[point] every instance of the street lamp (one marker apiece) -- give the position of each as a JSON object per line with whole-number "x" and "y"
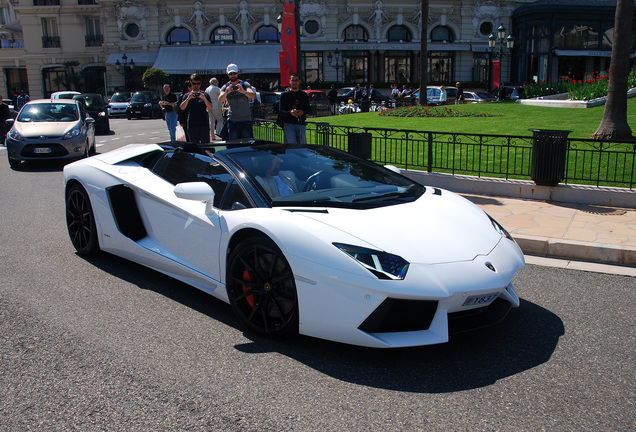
{"x": 126, "y": 68}
{"x": 337, "y": 64}
{"x": 504, "y": 42}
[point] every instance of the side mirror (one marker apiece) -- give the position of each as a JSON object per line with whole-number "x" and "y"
{"x": 196, "y": 191}
{"x": 393, "y": 168}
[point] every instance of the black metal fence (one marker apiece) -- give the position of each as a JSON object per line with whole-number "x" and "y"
{"x": 587, "y": 161}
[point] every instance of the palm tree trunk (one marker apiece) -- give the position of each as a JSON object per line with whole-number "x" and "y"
{"x": 614, "y": 124}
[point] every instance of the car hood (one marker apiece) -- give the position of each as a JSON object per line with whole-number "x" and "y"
{"x": 433, "y": 229}
{"x": 36, "y": 129}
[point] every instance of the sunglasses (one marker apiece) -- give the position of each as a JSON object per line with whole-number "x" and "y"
{"x": 232, "y": 73}
{"x": 196, "y": 83}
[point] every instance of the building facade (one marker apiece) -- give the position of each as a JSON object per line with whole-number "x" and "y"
{"x": 105, "y": 45}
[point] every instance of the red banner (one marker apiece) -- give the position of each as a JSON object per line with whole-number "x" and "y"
{"x": 284, "y": 70}
{"x": 288, "y": 36}
{"x": 495, "y": 73}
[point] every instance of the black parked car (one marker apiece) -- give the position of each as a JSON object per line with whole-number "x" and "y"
{"x": 96, "y": 108}
{"x": 144, "y": 104}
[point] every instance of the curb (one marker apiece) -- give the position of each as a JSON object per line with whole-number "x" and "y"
{"x": 576, "y": 250}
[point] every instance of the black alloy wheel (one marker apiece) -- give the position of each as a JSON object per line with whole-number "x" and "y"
{"x": 261, "y": 288}
{"x": 80, "y": 221}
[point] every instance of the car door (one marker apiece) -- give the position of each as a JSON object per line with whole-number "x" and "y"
{"x": 180, "y": 229}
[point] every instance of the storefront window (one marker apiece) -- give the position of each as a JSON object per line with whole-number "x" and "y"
{"x": 576, "y": 37}
{"x": 397, "y": 69}
{"x": 53, "y": 78}
{"x": 440, "y": 67}
{"x": 357, "y": 66}
{"x": 313, "y": 66}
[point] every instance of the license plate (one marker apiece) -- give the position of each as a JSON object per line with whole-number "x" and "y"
{"x": 480, "y": 300}
{"x": 42, "y": 150}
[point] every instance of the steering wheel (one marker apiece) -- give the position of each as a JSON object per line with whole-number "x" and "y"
{"x": 312, "y": 181}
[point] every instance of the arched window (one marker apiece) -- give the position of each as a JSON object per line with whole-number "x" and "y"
{"x": 223, "y": 35}
{"x": 355, "y": 33}
{"x": 178, "y": 35}
{"x": 267, "y": 34}
{"x": 399, "y": 33}
{"x": 442, "y": 34}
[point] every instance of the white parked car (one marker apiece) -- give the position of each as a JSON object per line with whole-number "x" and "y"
{"x": 299, "y": 238}
{"x": 118, "y": 103}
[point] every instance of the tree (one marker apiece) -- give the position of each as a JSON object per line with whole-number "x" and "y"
{"x": 424, "y": 54}
{"x": 154, "y": 78}
{"x": 614, "y": 124}
{"x": 69, "y": 78}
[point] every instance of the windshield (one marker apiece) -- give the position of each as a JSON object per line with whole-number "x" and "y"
{"x": 322, "y": 176}
{"x": 48, "y": 112}
{"x": 92, "y": 102}
{"x": 118, "y": 97}
{"x": 141, "y": 97}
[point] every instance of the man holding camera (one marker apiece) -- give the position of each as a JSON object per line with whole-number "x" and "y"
{"x": 238, "y": 94}
{"x": 196, "y": 105}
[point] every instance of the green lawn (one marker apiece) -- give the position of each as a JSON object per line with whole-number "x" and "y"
{"x": 509, "y": 118}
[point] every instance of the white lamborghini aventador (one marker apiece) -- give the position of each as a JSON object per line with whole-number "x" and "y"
{"x": 299, "y": 238}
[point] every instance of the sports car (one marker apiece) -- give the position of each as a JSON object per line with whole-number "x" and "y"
{"x": 299, "y": 238}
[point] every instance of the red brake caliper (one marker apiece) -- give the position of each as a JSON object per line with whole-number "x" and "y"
{"x": 247, "y": 277}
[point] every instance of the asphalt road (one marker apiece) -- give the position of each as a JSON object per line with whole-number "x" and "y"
{"x": 107, "y": 345}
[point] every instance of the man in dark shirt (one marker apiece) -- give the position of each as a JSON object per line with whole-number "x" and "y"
{"x": 196, "y": 103}
{"x": 294, "y": 104}
{"x": 167, "y": 102}
{"x": 333, "y": 99}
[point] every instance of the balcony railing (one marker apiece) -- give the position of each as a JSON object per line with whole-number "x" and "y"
{"x": 51, "y": 42}
{"x": 46, "y": 2}
{"x": 93, "y": 40}
{"x": 86, "y": 2}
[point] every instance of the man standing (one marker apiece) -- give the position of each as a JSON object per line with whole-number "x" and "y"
{"x": 333, "y": 99}
{"x": 167, "y": 102}
{"x": 196, "y": 103}
{"x": 294, "y": 104}
{"x": 22, "y": 100}
{"x": 460, "y": 93}
{"x": 216, "y": 114}
{"x": 238, "y": 94}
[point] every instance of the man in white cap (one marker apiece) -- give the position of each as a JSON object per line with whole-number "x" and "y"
{"x": 216, "y": 113}
{"x": 238, "y": 94}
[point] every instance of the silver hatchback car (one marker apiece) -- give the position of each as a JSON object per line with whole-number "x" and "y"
{"x": 50, "y": 129}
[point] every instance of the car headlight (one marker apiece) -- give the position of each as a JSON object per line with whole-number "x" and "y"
{"x": 148, "y": 105}
{"x": 382, "y": 264}
{"x": 72, "y": 133}
{"x": 15, "y": 135}
{"x": 500, "y": 229}
{"x": 101, "y": 114}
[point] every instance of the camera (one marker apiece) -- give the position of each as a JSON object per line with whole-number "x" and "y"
{"x": 235, "y": 87}
{"x": 196, "y": 93}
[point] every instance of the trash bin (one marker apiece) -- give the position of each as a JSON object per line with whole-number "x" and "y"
{"x": 360, "y": 144}
{"x": 364, "y": 105}
{"x": 549, "y": 152}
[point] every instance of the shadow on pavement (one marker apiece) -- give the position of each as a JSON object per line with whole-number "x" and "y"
{"x": 525, "y": 339}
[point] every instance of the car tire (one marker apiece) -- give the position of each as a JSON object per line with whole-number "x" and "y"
{"x": 261, "y": 288}
{"x": 80, "y": 221}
